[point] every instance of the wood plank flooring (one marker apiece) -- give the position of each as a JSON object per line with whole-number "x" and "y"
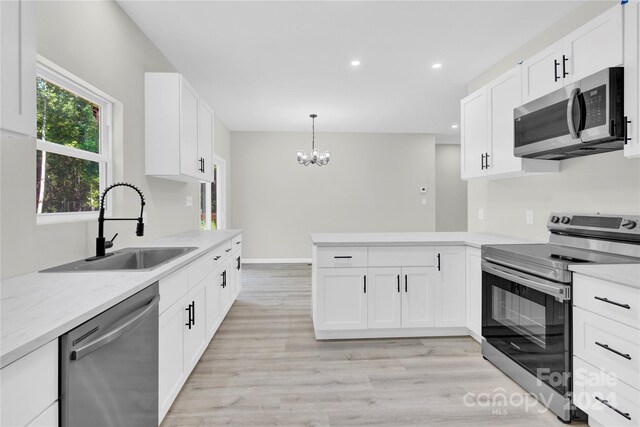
{"x": 265, "y": 368}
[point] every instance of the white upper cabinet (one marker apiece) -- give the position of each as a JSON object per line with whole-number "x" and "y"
{"x": 18, "y": 58}
{"x": 596, "y": 45}
{"x": 178, "y": 130}
{"x": 487, "y": 131}
{"x": 631, "y": 77}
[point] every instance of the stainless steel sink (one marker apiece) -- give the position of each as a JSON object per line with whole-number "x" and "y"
{"x": 133, "y": 259}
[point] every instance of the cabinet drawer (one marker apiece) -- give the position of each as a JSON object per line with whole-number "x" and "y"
{"x": 29, "y": 385}
{"x": 342, "y": 257}
{"x": 173, "y": 287}
{"x": 608, "y": 345}
{"x": 611, "y": 300}
{"x": 592, "y": 387}
{"x": 401, "y": 256}
{"x": 199, "y": 269}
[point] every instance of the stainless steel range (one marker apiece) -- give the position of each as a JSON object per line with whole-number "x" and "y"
{"x": 526, "y": 300}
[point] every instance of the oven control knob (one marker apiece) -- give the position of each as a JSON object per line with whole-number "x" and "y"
{"x": 555, "y": 219}
{"x": 629, "y": 225}
{"x": 566, "y": 220}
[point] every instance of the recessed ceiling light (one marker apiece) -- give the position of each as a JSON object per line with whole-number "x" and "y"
{"x": 437, "y": 65}
{"x": 355, "y": 62}
{"x": 454, "y": 126}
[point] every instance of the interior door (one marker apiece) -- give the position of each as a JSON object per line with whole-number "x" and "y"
{"x": 473, "y": 133}
{"x": 504, "y": 94}
{"x": 542, "y": 73}
{"x": 384, "y": 302}
{"x": 188, "y": 131}
{"x": 342, "y": 298}
{"x": 418, "y": 297}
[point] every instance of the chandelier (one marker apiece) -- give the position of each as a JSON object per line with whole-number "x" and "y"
{"x": 316, "y": 158}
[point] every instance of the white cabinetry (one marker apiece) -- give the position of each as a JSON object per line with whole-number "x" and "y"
{"x": 418, "y": 298}
{"x": 195, "y": 340}
{"x": 29, "y": 388}
{"x": 632, "y": 77}
{"x": 384, "y": 297}
{"x": 178, "y": 130}
{"x": 606, "y": 344}
{"x": 487, "y": 132}
{"x": 450, "y": 286}
{"x": 342, "y": 298}
{"x": 474, "y": 292}
{"x": 596, "y": 45}
{"x": 171, "y": 372}
{"x": 18, "y": 58}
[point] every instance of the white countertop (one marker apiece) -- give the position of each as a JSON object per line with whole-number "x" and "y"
{"x": 626, "y": 274}
{"x": 36, "y": 308}
{"x": 411, "y": 239}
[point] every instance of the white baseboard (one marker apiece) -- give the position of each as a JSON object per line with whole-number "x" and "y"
{"x": 392, "y": 333}
{"x": 276, "y": 260}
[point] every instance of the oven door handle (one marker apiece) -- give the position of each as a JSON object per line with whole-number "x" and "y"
{"x": 559, "y": 291}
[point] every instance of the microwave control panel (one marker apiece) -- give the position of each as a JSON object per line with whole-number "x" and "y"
{"x": 595, "y": 103}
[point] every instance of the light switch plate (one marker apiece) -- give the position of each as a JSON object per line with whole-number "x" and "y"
{"x": 529, "y": 216}
{"x": 481, "y": 214}
{"x": 424, "y": 202}
{"x": 189, "y": 201}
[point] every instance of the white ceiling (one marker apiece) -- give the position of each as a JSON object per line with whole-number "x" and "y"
{"x": 265, "y": 66}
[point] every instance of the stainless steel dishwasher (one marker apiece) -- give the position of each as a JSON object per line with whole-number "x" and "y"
{"x": 109, "y": 366}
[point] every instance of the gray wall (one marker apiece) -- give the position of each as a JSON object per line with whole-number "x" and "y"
{"x": 605, "y": 183}
{"x": 100, "y": 44}
{"x": 372, "y": 184}
{"x": 451, "y": 191}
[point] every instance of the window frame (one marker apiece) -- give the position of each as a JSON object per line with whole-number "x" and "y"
{"x": 57, "y": 75}
{"x": 221, "y": 219}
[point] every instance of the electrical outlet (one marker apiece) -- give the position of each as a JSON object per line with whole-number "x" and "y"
{"x": 189, "y": 201}
{"x": 529, "y": 216}
{"x": 481, "y": 214}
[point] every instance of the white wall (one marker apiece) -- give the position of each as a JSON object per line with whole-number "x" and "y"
{"x": 372, "y": 184}
{"x": 605, "y": 183}
{"x": 451, "y": 191}
{"x": 100, "y": 44}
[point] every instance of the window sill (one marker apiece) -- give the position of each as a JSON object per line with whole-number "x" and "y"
{"x": 57, "y": 218}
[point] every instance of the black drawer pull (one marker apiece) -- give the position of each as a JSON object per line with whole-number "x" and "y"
{"x": 228, "y": 250}
{"x": 438, "y": 262}
{"x": 237, "y": 243}
{"x": 606, "y": 403}
{"x": 627, "y": 306}
{"x": 405, "y": 283}
{"x": 606, "y": 347}
{"x": 398, "y": 283}
{"x": 215, "y": 258}
{"x": 343, "y": 257}
{"x": 365, "y": 284}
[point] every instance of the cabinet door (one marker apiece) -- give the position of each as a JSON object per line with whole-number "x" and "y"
{"x": 225, "y": 294}
{"x": 596, "y": 45}
{"x": 18, "y": 58}
{"x": 195, "y": 336}
{"x": 503, "y": 95}
{"x": 631, "y": 77}
{"x": 474, "y": 291}
{"x": 473, "y": 133}
{"x": 205, "y": 140}
{"x": 542, "y": 73}
{"x": 342, "y": 298}
{"x": 384, "y": 298}
{"x": 237, "y": 268}
{"x": 418, "y": 297}
{"x": 450, "y": 287}
{"x": 189, "y": 163}
{"x": 212, "y": 292}
{"x": 171, "y": 366}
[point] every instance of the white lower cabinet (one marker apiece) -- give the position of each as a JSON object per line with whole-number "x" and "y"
{"x": 395, "y": 291}
{"x": 48, "y": 418}
{"x": 29, "y": 388}
{"x": 195, "y": 340}
{"x": 342, "y": 298}
{"x": 473, "y": 290}
{"x": 171, "y": 355}
{"x": 212, "y": 294}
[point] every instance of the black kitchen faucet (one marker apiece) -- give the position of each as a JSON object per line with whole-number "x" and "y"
{"x": 101, "y": 243}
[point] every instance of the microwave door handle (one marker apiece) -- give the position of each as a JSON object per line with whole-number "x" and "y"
{"x": 572, "y": 127}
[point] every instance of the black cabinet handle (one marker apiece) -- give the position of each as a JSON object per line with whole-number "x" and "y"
{"x": 215, "y": 258}
{"x": 627, "y": 306}
{"x": 238, "y": 242}
{"x": 626, "y": 130}
{"x": 342, "y": 257}
{"x": 238, "y": 266}
{"x": 189, "y": 316}
{"x": 438, "y": 262}
{"x": 224, "y": 279}
{"x": 486, "y": 161}
{"x": 203, "y": 163}
{"x": 228, "y": 250}
{"x": 398, "y": 283}
{"x": 555, "y": 70}
{"x": 606, "y": 347}
{"x": 564, "y": 66}
{"x": 193, "y": 313}
{"x": 608, "y": 405}
{"x": 405, "y": 283}
{"x": 482, "y": 161}
{"x": 365, "y": 283}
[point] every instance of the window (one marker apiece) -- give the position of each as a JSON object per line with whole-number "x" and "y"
{"x": 212, "y": 199}
{"x": 73, "y": 158}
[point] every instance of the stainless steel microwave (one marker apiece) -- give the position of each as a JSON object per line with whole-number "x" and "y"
{"x": 583, "y": 118}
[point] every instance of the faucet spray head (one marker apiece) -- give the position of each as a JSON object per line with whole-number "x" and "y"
{"x": 140, "y": 228}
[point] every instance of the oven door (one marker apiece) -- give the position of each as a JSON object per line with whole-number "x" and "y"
{"x": 528, "y": 319}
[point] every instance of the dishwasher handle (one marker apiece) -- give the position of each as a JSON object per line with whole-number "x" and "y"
{"x": 115, "y": 333}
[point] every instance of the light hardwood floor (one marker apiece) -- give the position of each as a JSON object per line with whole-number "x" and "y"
{"x": 265, "y": 368}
